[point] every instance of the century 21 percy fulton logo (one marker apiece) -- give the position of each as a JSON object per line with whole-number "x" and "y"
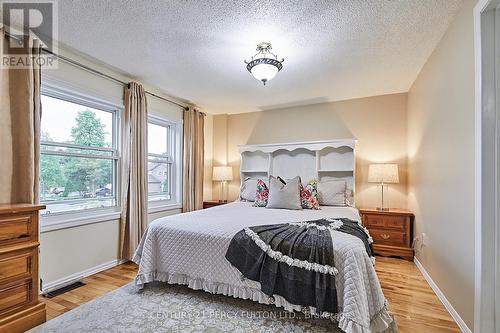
{"x": 26, "y": 21}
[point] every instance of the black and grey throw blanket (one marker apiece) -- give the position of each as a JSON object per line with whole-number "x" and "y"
{"x": 294, "y": 260}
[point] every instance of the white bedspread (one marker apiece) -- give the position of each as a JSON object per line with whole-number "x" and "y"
{"x": 190, "y": 249}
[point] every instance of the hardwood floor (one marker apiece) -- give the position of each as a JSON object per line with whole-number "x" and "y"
{"x": 95, "y": 285}
{"x": 411, "y": 300}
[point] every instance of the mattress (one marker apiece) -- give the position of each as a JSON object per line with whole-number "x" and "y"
{"x": 190, "y": 249}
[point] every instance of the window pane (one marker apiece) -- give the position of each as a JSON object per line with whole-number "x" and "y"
{"x": 158, "y": 180}
{"x": 157, "y": 139}
{"x": 69, "y": 122}
{"x": 72, "y": 183}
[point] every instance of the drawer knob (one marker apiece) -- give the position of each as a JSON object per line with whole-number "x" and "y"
{"x": 385, "y": 236}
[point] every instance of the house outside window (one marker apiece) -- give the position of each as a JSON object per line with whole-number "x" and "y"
{"x": 164, "y": 157}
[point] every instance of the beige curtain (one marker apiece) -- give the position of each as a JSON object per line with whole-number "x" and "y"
{"x": 193, "y": 161}
{"x": 134, "y": 171}
{"x": 19, "y": 128}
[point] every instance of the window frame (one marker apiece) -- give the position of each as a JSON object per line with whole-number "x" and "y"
{"x": 174, "y": 147}
{"x": 73, "y": 96}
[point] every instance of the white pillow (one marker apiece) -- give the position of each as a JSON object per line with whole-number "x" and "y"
{"x": 332, "y": 193}
{"x": 284, "y": 196}
{"x": 249, "y": 189}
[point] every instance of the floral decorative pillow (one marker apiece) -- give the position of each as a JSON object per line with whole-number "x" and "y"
{"x": 262, "y": 194}
{"x": 309, "y": 195}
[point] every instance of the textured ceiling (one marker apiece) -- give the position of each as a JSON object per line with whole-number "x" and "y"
{"x": 194, "y": 50}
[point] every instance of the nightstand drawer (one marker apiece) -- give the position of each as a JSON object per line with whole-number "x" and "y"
{"x": 386, "y": 221}
{"x": 396, "y": 222}
{"x": 373, "y": 220}
{"x": 213, "y": 203}
{"x": 389, "y": 237}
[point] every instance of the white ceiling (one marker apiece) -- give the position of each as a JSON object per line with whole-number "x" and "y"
{"x": 194, "y": 50}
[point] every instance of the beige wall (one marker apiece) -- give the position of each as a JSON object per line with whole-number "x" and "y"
{"x": 208, "y": 156}
{"x": 379, "y": 123}
{"x": 220, "y": 150}
{"x": 69, "y": 251}
{"x": 441, "y": 163}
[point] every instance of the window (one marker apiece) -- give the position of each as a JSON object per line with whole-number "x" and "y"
{"x": 78, "y": 154}
{"x": 161, "y": 158}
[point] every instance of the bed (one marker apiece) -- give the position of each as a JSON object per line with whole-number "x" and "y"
{"x": 190, "y": 249}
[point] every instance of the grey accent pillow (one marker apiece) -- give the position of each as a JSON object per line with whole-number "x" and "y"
{"x": 284, "y": 196}
{"x": 332, "y": 193}
{"x": 248, "y": 189}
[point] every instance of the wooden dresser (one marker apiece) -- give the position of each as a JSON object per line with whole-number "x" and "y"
{"x": 391, "y": 230}
{"x": 20, "y": 309}
{"x": 212, "y": 203}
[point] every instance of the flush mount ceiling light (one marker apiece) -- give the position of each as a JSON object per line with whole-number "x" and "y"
{"x": 264, "y": 64}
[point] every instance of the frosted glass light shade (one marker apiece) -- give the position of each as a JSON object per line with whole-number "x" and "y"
{"x": 264, "y": 64}
{"x": 222, "y": 173}
{"x": 264, "y": 72}
{"x": 383, "y": 173}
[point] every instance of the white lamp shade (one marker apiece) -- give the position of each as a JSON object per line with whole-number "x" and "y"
{"x": 222, "y": 173}
{"x": 383, "y": 173}
{"x": 264, "y": 72}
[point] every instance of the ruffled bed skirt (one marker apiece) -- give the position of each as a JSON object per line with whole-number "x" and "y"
{"x": 379, "y": 323}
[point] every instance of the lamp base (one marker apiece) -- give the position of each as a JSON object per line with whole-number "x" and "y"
{"x": 383, "y": 209}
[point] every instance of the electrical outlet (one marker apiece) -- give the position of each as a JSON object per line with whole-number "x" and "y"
{"x": 419, "y": 242}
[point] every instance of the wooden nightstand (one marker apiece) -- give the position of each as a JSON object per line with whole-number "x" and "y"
{"x": 391, "y": 230}
{"x": 212, "y": 203}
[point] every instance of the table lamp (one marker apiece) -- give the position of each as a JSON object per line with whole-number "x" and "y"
{"x": 383, "y": 174}
{"x": 223, "y": 174}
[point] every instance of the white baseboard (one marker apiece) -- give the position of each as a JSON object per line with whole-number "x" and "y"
{"x": 59, "y": 283}
{"x": 454, "y": 314}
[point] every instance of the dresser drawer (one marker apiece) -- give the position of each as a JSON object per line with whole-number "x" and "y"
{"x": 373, "y": 220}
{"x": 15, "y": 295}
{"x": 17, "y": 228}
{"x": 389, "y": 237}
{"x": 386, "y": 221}
{"x": 396, "y": 222}
{"x": 17, "y": 265}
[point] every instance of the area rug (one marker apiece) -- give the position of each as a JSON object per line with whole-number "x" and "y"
{"x": 175, "y": 308}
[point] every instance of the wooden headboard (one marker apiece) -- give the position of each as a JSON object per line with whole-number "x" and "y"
{"x": 322, "y": 160}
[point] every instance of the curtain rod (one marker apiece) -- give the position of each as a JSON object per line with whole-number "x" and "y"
{"x": 109, "y": 77}
{"x": 94, "y": 71}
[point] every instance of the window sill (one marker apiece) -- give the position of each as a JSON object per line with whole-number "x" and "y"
{"x": 162, "y": 207}
{"x": 71, "y": 220}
